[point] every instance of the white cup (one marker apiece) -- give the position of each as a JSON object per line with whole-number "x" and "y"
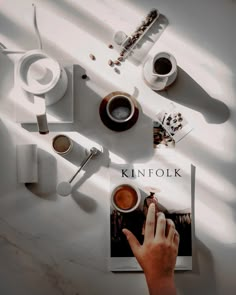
{"x": 27, "y": 163}
{"x": 62, "y": 144}
{"x": 120, "y": 108}
{"x": 160, "y": 71}
{"x": 41, "y": 75}
{"x": 125, "y": 198}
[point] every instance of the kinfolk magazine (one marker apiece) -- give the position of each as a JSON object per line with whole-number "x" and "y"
{"x": 166, "y": 181}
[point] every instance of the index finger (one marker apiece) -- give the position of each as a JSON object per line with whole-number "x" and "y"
{"x": 161, "y": 226}
{"x": 150, "y": 223}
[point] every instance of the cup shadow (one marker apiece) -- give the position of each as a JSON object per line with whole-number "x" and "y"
{"x": 187, "y": 92}
{"x": 199, "y": 252}
{"x": 47, "y": 177}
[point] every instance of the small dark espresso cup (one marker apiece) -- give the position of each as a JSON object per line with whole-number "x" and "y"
{"x": 162, "y": 66}
{"x": 120, "y": 108}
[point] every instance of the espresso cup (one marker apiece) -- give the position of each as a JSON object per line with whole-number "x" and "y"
{"x": 120, "y": 108}
{"x": 125, "y": 198}
{"x": 62, "y": 144}
{"x": 160, "y": 71}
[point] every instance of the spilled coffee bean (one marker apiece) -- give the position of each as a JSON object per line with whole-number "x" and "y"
{"x": 84, "y": 76}
{"x": 117, "y": 62}
{"x": 92, "y": 56}
{"x": 110, "y": 62}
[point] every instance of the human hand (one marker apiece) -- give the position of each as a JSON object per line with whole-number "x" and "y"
{"x": 157, "y": 255}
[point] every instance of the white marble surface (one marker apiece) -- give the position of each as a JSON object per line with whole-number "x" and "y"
{"x": 53, "y": 245}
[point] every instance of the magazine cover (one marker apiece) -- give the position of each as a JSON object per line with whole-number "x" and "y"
{"x": 165, "y": 181}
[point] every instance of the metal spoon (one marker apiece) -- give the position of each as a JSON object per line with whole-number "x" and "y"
{"x": 65, "y": 188}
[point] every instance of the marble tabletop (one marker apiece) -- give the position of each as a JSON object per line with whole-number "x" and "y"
{"x": 55, "y": 245}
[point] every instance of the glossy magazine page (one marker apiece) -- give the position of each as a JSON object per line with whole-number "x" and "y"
{"x": 166, "y": 181}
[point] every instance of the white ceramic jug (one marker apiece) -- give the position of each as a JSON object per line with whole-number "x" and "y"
{"x": 160, "y": 71}
{"x": 41, "y": 75}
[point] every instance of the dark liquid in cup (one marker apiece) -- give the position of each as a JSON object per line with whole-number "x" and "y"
{"x": 125, "y": 197}
{"x": 120, "y": 108}
{"x": 162, "y": 66}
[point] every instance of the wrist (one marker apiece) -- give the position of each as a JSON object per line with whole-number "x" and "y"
{"x": 161, "y": 285}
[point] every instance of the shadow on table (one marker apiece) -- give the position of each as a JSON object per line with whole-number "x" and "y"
{"x": 82, "y": 18}
{"x": 85, "y": 202}
{"x": 201, "y": 255}
{"x": 202, "y": 278}
{"x": 47, "y": 177}
{"x": 7, "y": 75}
{"x": 187, "y": 92}
{"x": 7, "y": 160}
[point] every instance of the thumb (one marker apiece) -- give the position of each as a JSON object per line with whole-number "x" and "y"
{"x": 133, "y": 242}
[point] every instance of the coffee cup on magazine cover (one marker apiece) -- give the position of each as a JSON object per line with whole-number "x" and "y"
{"x": 125, "y": 198}
{"x": 42, "y": 76}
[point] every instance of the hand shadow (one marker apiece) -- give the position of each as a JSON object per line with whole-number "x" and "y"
{"x": 188, "y": 93}
{"x": 201, "y": 277}
{"x": 8, "y": 178}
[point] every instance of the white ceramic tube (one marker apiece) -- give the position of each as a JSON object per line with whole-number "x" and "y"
{"x": 40, "y": 110}
{"x": 27, "y": 163}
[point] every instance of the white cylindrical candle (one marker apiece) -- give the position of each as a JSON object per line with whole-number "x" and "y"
{"x": 27, "y": 163}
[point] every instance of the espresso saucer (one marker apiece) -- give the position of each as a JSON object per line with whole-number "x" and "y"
{"x": 118, "y": 127}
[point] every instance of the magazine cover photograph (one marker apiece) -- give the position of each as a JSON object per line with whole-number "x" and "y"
{"x": 164, "y": 181}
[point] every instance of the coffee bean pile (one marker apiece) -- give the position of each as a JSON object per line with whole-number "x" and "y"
{"x": 173, "y": 122}
{"x": 130, "y": 42}
{"x": 161, "y": 136}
